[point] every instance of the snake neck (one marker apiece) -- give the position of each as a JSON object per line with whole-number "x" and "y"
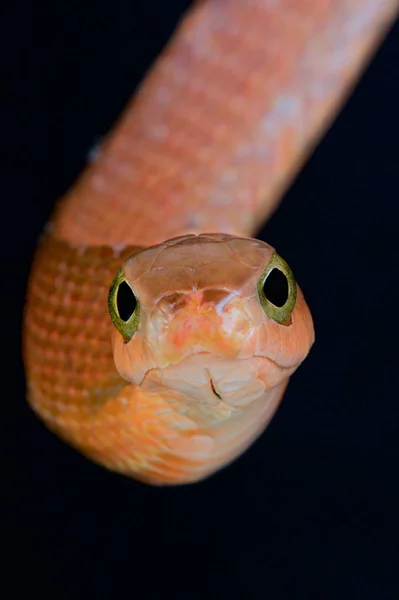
{"x": 224, "y": 121}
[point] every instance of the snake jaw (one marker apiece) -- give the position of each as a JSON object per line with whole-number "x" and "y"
{"x": 214, "y": 385}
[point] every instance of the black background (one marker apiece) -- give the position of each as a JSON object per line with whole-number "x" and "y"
{"x": 311, "y": 511}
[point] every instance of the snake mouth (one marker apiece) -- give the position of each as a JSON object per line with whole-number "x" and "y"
{"x": 215, "y": 392}
{"x": 215, "y": 381}
{"x": 287, "y": 369}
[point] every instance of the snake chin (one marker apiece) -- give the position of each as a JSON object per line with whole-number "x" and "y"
{"x": 214, "y": 381}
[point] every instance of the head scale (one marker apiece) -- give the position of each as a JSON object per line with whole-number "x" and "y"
{"x": 213, "y": 318}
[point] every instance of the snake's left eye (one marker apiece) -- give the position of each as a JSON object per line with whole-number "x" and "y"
{"x": 277, "y": 290}
{"x": 123, "y": 306}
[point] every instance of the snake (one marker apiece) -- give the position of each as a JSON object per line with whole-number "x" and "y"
{"x": 159, "y": 334}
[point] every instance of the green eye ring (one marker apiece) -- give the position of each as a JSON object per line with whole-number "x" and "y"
{"x": 123, "y": 306}
{"x": 284, "y": 293}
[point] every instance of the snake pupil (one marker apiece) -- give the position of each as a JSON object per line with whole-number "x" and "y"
{"x": 275, "y": 288}
{"x": 125, "y": 301}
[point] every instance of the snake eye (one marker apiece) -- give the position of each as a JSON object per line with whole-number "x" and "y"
{"x": 123, "y": 307}
{"x": 125, "y": 301}
{"x": 277, "y": 290}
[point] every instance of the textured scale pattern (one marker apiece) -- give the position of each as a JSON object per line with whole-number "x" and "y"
{"x": 219, "y": 127}
{"x": 150, "y": 431}
{"x": 224, "y": 120}
{"x": 68, "y": 343}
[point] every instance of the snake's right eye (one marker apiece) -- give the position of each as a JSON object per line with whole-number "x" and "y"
{"x": 123, "y": 306}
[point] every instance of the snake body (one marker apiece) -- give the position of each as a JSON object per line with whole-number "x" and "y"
{"x": 191, "y": 362}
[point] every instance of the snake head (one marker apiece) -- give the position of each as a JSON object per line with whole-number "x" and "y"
{"x": 215, "y": 318}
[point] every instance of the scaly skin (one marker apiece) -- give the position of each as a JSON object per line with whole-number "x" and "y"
{"x": 216, "y": 132}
